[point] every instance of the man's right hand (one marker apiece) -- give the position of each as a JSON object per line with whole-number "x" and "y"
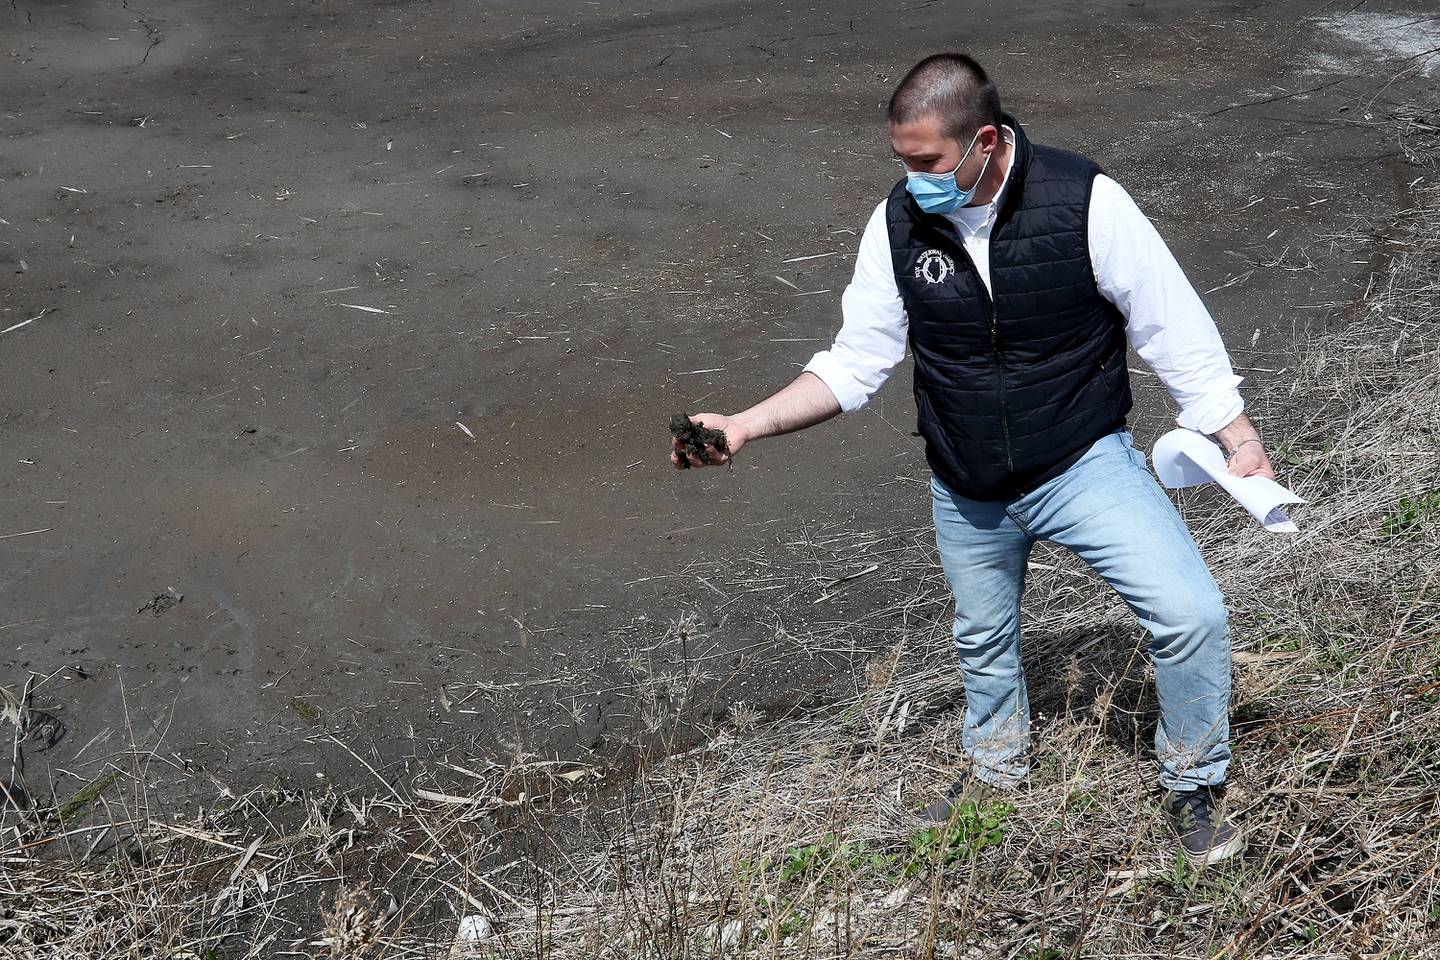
{"x": 803, "y": 403}
{"x": 735, "y": 438}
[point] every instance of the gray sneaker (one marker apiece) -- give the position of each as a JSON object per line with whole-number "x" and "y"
{"x": 1206, "y": 836}
{"x": 967, "y": 789}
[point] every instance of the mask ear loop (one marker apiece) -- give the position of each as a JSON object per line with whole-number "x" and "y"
{"x": 983, "y": 167}
{"x": 966, "y": 156}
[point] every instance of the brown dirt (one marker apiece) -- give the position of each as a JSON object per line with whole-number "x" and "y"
{"x": 696, "y": 439}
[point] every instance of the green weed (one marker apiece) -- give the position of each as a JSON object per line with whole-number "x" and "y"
{"x": 828, "y": 856}
{"x": 972, "y": 828}
{"x": 1412, "y": 514}
{"x": 1043, "y": 953}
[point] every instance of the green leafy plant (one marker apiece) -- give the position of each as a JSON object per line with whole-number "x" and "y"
{"x": 1412, "y": 514}
{"x": 785, "y": 920}
{"x": 1287, "y": 454}
{"x": 812, "y": 857}
{"x": 1285, "y": 642}
{"x": 746, "y": 870}
{"x": 1181, "y": 877}
{"x": 1292, "y": 456}
{"x": 972, "y": 828}
{"x": 829, "y": 855}
{"x": 1043, "y": 953}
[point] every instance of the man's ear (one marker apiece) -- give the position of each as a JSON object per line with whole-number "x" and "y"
{"x": 990, "y": 137}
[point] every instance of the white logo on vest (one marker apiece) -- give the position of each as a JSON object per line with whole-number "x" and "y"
{"x": 934, "y": 266}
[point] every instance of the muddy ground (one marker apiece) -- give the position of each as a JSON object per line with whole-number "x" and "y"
{"x": 358, "y": 326}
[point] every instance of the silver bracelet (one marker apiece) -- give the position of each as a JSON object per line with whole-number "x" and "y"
{"x": 1241, "y": 444}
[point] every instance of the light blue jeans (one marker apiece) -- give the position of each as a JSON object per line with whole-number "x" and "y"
{"x": 1109, "y": 511}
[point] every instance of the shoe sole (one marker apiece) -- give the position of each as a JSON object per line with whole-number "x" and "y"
{"x": 926, "y": 819}
{"x": 1218, "y": 854}
{"x": 980, "y": 797}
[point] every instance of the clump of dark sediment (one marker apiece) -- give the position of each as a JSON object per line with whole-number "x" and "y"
{"x": 696, "y": 439}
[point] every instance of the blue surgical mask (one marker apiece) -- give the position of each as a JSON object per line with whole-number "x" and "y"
{"x": 938, "y": 192}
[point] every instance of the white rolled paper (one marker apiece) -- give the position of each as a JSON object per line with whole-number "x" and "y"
{"x": 1184, "y": 458}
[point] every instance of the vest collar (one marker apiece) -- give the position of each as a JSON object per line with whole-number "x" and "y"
{"x": 1014, "y": 188}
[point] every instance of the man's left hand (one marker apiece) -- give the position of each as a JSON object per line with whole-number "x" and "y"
{"x": 1244, "y": 452}
{"x": 1249, "y": 460}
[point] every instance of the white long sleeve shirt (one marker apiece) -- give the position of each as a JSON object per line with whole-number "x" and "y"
{"x": 1165, "y": 321}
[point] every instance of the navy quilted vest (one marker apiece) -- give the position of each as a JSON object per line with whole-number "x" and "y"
{"x": 1011, "y": 389}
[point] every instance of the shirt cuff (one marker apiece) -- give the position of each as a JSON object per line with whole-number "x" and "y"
{"x": 848, "y": 391}
{"x": 1215, "y": 408}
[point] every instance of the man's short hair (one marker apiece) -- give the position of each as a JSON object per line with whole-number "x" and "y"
{"x": 950, "y": 87}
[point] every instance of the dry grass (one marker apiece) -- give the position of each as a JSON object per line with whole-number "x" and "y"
{"x": 789, "y": 837}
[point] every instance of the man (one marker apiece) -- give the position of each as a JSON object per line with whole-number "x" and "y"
{"x": 1018, "y": 273}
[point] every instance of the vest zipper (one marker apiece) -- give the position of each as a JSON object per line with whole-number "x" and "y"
{"x": 1000, "y": 367}
{"x": 994, "y": 339}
